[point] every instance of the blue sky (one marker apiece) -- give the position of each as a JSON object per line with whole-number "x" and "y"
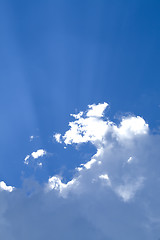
{"x": 58, "y": 57}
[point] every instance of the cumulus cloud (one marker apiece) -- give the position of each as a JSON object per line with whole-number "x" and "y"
{"x": 88, "y": 126}
{"x": 57, "y": 137}
{"x": 114, "y": 195}
{"x": 35, "y": 155}
{"x": 114, "y": 143}
{"x": 4, "y": 187}
{"x": 130, "y": 127}
{"x": 96, "y": 110}
{"x": 63, "y": 188}
{"x": 105, "y": 179}
{"x": 38, "y": 153}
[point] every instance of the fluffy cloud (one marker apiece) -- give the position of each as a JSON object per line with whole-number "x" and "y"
{"x": 35, "y": 155}
{"x": 57, "y": 136}
{"x": 4, "y": 187}
{"x": 88, "y": 126}
{"x": 114, "y": 195}
{"x": 38, "y": 153}
{"x": 96, "y": 110}
{"x": 114, "y": 143}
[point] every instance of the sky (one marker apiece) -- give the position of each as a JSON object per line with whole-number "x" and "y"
{"x": 80, "y": 120}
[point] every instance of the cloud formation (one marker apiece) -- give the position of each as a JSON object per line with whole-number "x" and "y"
{"x": 4, "y": 187}
{"x": 110, "y": 140}
{"x": 114, "y": 195}
{"x": 35, "y": 155}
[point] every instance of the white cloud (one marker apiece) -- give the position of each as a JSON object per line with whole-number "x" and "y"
{"x": 89, "y": 164}
{"x": 26, "y": 160}
{"x": 77, "y": 116}
{"x": 38, "y": 153}
{"x": 63, "y": 188}
{"x": 87, "y": 127}
{"x": 104, "y": 195}
{"x": 105, "y": 177}
{"x": 114, "y": 143}
{"x": 35, "y": 155}
{"x": 130, "y": 127}
{"x": 31, "y": 137}
{"x": 4, "y": 187}
{"x": 130, "y": 159}
{"x": 96, "y": 110}
{"x": 40, "y": 164}
{"x": 57, "y": 136}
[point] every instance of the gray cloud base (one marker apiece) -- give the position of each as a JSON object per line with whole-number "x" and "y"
{"x": 116, "y": 196}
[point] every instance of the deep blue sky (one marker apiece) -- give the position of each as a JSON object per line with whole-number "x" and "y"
{"x": 59, "y": 56}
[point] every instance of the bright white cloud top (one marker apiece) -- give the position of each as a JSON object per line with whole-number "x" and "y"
{"x": 57, "y": 136}
{"x": 110, "y": 140}
{"x": 96, "y": 110}
{"x": 4, "y": 187}
{"x": 90, "y": 126}
{"x": 117, "y": 188}
{"x": 38, "y": 153}
{"x": 87, "y": 126}
{"x": 35, "y": 155}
